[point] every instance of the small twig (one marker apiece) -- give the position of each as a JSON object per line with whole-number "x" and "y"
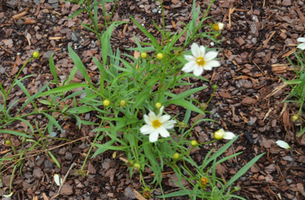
{"x": 63, "y": 181}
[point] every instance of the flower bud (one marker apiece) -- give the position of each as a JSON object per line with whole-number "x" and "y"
{"x": 35, "y": 54}
{"x": 160, "y": 56}
{"x": 295, "y": 118}
{"x": 215, "y": 87}
{"x": 8, "y": 142}
{"x": 182, "y": 125}
{"x": 106, "y": 102}
{"x": 236, "y": 188}
{"x": 158, "y": 105}
{"x": 203, "y": 182}
{"x": 176, "y": 156}
{"x": 143, "y": 55}
{"x": 194, "y": 143}
{"x": 123, "y": 103}
{"x": 136, "y": 167}
{"x": 147, "y": 193}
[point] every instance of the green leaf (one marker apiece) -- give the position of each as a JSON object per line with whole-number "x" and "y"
{"x": 64, "y": 88}
{"x": 76, "y": 13}
{"x": 243, "y": 170}
{"x": 150, "y": 36}
{"x": 79, "y": 110}
{"x": 302, "y": 131}
{"x": 53, "y": 69}
{"x": 79, "y": 64}
{"x": 12, "y": 132}
{"x": 185, "y": 104}
{"x": 54, "y": 159}
{"x": 52, "y": 120}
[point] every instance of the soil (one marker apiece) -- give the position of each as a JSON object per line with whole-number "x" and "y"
{"x": 249, "y": 101}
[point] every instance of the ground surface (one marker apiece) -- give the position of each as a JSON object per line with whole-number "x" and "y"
{"x": 258, "y": 37}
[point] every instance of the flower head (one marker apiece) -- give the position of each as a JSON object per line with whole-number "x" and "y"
{"x": 221, "y": 134}
{"x": 123, "y": 103}
{"x": 283, "y": 144}
{"x": 156, "y": 125}
{"x": 200, "y": 60}
{"x": 302, "y": 45}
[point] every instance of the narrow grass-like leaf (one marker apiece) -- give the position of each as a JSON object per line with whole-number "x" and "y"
{"x": 18, "y": 133}
{"x": 150, "y": 36}
{"x": 64, "y": 88}
{"x": 76, "y": 13}
{"x": 54, "y": 159}
{"x": 53, "y": 69}
{"x": 79, "y": 64}
{"x": 185, "y": 104}
{"x": 243, "y": 170}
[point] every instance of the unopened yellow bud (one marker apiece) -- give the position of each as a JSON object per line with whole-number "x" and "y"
{"x": 136, "y": 167}
{"x": 35, "y": 54}
{"x": 176, "y": 156}
{"x": 158, "y": 105}
{"x": 144, "y": 55}
{"x": 160, "y": 56}
{"x": 295, "y": 118}
{"x": 123, "y": 103}
{"x": 8, "y": 142}
{"x": 194, "y": 143}
{"x": 106, "y": 102}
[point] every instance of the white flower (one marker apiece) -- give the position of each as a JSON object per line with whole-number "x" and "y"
{"x": 221, "y": 134}
{"x": 156, "y": 125}
{"x": 283, "y": 144}
{"x": 200, "y": 60}
{"x": 219, "y": 26}
{"x": 302, "y": 45}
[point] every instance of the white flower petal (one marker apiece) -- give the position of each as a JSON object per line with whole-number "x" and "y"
{"x": 147, "y": 129}
{"x": 202, "y": 51}
{"x": 210, "y": 64}
{"x": 198, "y": 70}
{"x": 301, "y": 39}
{"x": 189, "y": 67}
{"x": 153, "y": 137}
{"x": 195, "y": 50}
{"x": 161, "y": 110}
{"x": 147, "y": 120}
{"x": 8, "y": 195}
{"x": 189, "y": 58}
{"x": 283, "y": 144}
{"x": 301, "y": 46}
{"x": 229, "y": 136}
{"x": 163, "y": 132}
{"x": 210, "y": 55}
{"x": 169, "y": 124}
{"x": 57, "y": 179}
{"x": 151, "y": 115}
{"x": 164, "y": 118}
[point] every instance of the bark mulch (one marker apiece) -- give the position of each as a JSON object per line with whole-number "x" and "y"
{"x": 258, "y": 36}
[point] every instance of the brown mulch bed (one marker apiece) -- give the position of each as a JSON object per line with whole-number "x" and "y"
{"x": 259, "y": 35}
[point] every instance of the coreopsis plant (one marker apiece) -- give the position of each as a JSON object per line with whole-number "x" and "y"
{"x": 157, "y": 124}
{"x": 200, "y": 60}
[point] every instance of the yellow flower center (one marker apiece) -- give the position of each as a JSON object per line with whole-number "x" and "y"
{"x": 156, "y": 123}
{"x": 216, "y": 27}
{"x": 200, "y": 61}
